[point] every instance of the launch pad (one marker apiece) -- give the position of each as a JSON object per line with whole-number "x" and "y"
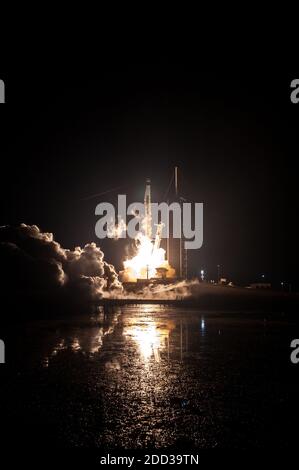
{"x": 140, "y": 284}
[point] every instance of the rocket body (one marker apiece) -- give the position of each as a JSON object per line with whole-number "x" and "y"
{"x": 148, "y": 209}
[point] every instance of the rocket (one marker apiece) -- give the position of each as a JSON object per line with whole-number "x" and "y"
{"x": 148, "y": 209}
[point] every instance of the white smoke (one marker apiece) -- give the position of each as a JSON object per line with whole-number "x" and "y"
{"x": 33, "y": 261}
{"x": 37, "y": 261}
{"x": 159, "y": 291}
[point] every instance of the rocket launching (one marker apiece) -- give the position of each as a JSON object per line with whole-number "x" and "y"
{"x": 149, "y": 262}
{"x": 148, "y": 209}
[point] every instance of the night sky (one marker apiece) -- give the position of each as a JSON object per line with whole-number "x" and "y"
{"x": 234, "y": 138}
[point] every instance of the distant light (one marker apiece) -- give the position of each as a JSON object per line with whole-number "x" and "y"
{"x": 263, "y": 275}
{"x": 202, "y": 274}
{"x": 202, "y": 271}
{"x": 203, "y": 325}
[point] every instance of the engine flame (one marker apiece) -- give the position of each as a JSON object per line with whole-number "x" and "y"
{"x": 147, "y": 262}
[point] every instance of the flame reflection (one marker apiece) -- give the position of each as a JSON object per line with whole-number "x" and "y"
{"x": 151, "y": 338}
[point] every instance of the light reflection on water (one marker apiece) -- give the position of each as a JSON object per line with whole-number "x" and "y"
{"x": 150, "y": 337}
{"x": 87, "y": 339}
{"x": 153, "y": 336}
{"x": 151, "y": 376}
{"x": 202, "y": 326}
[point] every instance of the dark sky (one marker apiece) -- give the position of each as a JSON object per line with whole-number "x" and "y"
{"x": 234, "y": 137}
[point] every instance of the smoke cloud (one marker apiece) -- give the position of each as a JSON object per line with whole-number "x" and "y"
{"x": 179, "y": 290}
{"x": 34, "y": 265}
{"x": 38, "y": 276}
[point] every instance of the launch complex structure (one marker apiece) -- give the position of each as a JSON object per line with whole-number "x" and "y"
{"x": 175, "y": 250}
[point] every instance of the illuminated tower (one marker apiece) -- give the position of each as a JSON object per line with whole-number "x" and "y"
{"x": 176, "y": 252}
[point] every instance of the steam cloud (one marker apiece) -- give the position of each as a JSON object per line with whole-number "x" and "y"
{"x": 34, "y": 264}
{"x": 36, "y": 271}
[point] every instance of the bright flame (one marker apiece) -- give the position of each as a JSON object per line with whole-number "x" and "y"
{"x": 149, "y": 258}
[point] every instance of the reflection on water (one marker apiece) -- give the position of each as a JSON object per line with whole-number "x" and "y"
{"x": 87, "y": 340}
{"x": 202, "y": 325}
{"x": 151, "y": 338}
{"x": 148, "y": 339}
{"x": 154, "y": 376}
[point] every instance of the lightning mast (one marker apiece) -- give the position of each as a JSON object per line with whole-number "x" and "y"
{"x": 183, "y": 259}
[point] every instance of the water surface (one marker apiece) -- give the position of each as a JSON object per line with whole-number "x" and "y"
{"x": 152, "y": 376}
